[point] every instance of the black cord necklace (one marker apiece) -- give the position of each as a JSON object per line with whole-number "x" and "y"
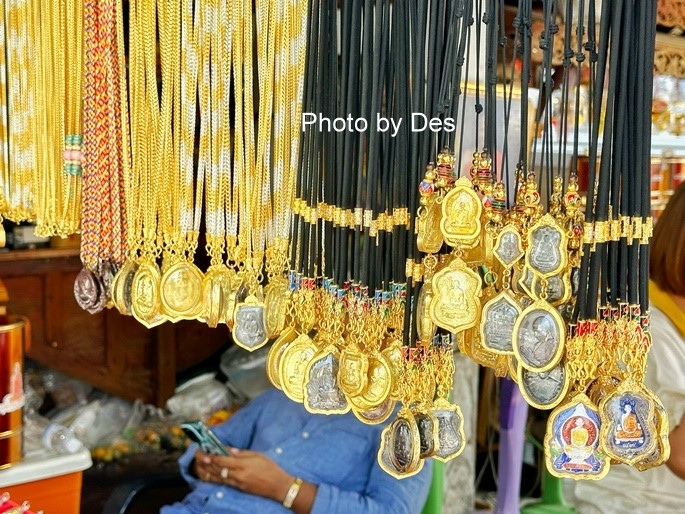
{"x": 646, "y": 123}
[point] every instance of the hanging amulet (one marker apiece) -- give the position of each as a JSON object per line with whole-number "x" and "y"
{"x": 574, "y": 218}
{"x": 484, "y": 171}
{"x": 427, "y": 185}
{"x": 474, "y": 165}
{"x": 498, "y": 203}
{"x": 556, "y": 199}
{"x": 531, "y": 196}
{"x": 445, "y": 169}
{"x": 572, "y": 448}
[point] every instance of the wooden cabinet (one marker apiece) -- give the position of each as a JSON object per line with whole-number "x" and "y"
{"x": 112, "y": 352}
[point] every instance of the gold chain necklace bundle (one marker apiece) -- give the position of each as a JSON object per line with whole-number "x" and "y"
{"x": 200, "y": 145}
{"x": 59, "y": 131}
{"x": 19, "y": 187}
{"x": 103, "y": 159}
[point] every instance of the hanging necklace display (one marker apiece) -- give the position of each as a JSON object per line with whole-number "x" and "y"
{"x": 546, "y": 389}
{"x": 400, "y": 451}
{"x": 5, "y": 184}
{"x": 289, "y": 78}
{"x": 455, "y": 306}
{"x": 540, "y": 332}
{"x": 662, "y": 450}
{"x": 449, "y": 211}
{"x": 572, "y": 440}
{"x": 70, "y": 217}
{"x": 58, "y": 92}
{"x": 19, "y": 186}
{"x": 145, "y": 160}
{"x": 180, "y": 288}
{"x": 219, "y": 280}
{"x": 235, "y": 200}
{"x": 501, "y": 312}
{"x": 451, "y": 440}
{"x": 104, "y": 158}
{"x": 287, "y": 336}
{"x": 249, "y": 319}
{"x": 574, "y": 443}
{"x": 572, "y": 447}
{"x": 121, "y": 282}
{"x": 291, "y": 354}
{"x": 379, "y": 373}
{"x": 356, "y": 364}
{"x": 322, "y": 394}
{"x": 426, "y": 421}
{"x": 455, "y": 287}
{"x": 297, "y": 355}
{"x": 629, "y": 426}
{"x": 486, "y": 177}
{"x": 378, "y": 380}
{"x": 87, "y": 290}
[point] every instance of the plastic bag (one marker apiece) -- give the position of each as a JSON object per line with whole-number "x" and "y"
{"x": 199, "y": 398}
{"x": 65, "y": 391}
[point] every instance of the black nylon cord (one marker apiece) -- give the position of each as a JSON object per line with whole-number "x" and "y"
{"x": 460, "y": 153}
{"x": 526, "y": 43}
{"x": 650, "y": 37}
{"x": 589, "y": 271}
{"x": 615, "y": 274}
{"x": 330, "y": 170}
{"x": 307, "y": 138}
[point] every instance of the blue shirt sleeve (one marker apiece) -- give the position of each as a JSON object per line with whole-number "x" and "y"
{"x": 385, "y": 494}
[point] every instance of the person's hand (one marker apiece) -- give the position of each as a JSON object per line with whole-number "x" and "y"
{"x": 248, "y": 471}
{"x": 203, "y": 468}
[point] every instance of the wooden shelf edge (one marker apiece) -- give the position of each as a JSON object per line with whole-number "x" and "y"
{"x": 40, "y": 253}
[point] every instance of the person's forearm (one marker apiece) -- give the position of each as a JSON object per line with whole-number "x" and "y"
{"x": 676, "y": 463}
{"x": 304, "y": 500}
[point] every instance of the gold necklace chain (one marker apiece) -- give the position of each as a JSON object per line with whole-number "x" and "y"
{"x": 218, "y": 171}
{"x": 136, "y": 192}
{"x": 22, "y": 180}
{"x": 229, "y": 223}
{"x": 128, "y": 205}
{"x": 289, "y": 92}
{"x": 4, "y": 125}
{"x": 267, "y": 31}
{"x": 73, "y": 138}
{"x": 143, "y": 133}
{"x": 235, "y": 241}
{"x": 189, "y": 81}
{"x": 151, "y": 115}
{"x": 50, "y": 96}
{"x": 167, "y": 162}
{"x": 248, "y": 232}
{"x": 10, "y": 95}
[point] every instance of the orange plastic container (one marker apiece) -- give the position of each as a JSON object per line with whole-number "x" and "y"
{"x": 57, "y": 495}
{"x": 48, "y": 481}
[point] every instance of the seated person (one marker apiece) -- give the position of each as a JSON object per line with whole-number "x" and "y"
{"x": 272, "y": 441}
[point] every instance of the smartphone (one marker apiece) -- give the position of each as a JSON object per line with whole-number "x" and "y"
{"x": 198, "y": 432}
